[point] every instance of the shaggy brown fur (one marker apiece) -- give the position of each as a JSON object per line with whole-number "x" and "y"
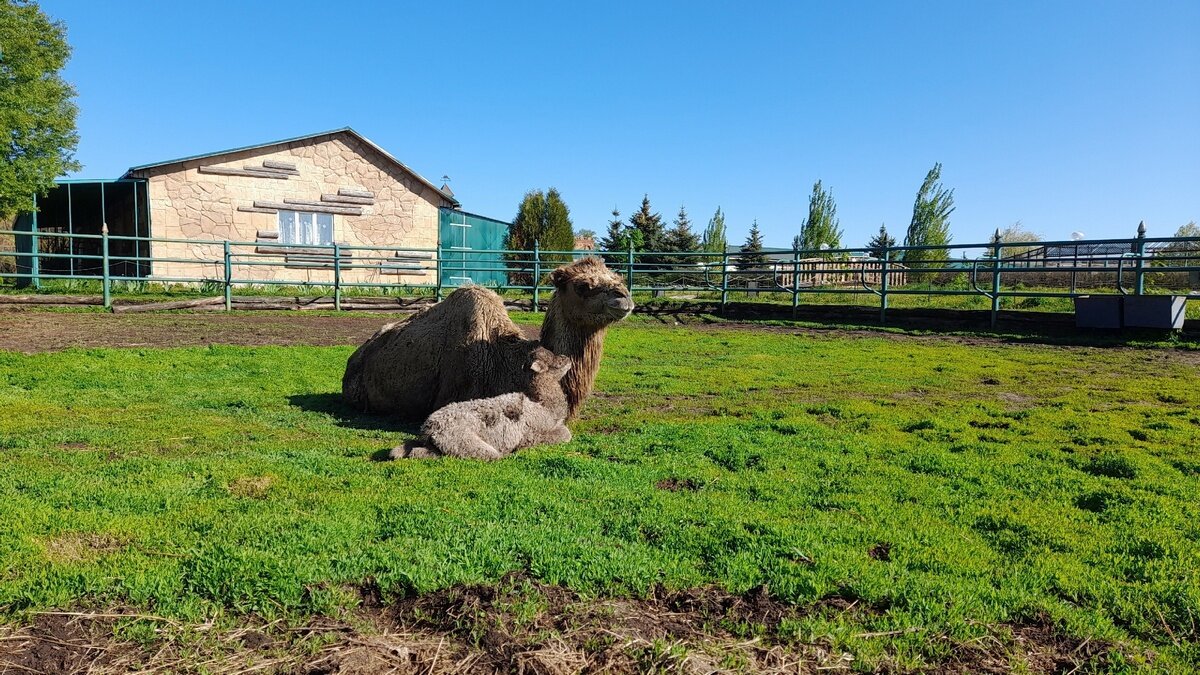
{"x": 466, "y": 347}
{"x": 492, "y": 428}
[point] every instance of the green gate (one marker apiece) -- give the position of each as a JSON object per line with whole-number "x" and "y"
{"x": 471, "y": 246}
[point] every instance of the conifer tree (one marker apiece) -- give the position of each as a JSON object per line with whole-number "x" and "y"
{"x": 618, "y": 239}
{"x": 649, "y": 224}
{"x": 681, "y": 239}
{"x": 751, "y": 256}
{"x": 880, "y": 242}
{"x": 821, "y": 225}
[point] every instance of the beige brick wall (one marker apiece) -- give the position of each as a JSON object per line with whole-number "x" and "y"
{"x": 187, "y": 204}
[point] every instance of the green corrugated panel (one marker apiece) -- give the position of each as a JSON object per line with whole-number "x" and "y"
{"x": 461, "y": 233}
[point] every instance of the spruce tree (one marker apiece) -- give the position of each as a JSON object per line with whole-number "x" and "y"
{"x": 681, "y": 239}
{"x": 821, "y": 225}
{"x": 751, "y": 256}
{"x": 880, "y": 242}
{"x": 649, "y": 224}
{"x": 37, "y": 107}
{"x": 930, "y": 224}
{"x": 618, "y": 239}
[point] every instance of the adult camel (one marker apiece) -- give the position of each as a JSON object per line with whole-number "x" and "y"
{"x": 466, "y": 347}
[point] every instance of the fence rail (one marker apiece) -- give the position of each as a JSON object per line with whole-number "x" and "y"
{"x": 984, "y": 270}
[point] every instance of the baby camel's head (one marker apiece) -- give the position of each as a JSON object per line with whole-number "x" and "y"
{"x": 549, "y": 366}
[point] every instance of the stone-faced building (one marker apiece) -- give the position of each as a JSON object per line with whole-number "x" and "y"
{"x": 283, "y": 199}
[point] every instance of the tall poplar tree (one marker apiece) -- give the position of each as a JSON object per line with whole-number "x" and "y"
{"x": 930, "y": 224}
{"x": 821, "y": 225}
{"x": 714, "y": 240}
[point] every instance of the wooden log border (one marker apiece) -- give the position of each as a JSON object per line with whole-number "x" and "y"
{"x": 229, "y": 171}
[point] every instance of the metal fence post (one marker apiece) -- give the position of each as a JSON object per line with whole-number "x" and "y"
{"x": 795, "y": 280}
{"x": 337, "y": 277}
{"x": 105, "y": 279}
{"x": 34, "y": 247}
{"x": 997, "y": 249}
{"x": 1140, "y": 249}
{"x": 437, "y": 270}
{"x": 724, "y": 280}
{"x": 629, "y": 269}
{"x": 537, "y": 273}
{"x": 883, "y": 285}
{"x": 228, "y": 290}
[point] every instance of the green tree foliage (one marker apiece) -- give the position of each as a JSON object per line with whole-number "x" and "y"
{"x": 797, "y": 243}
{"x": 751, "y": 256}
{"x": 681, "y": 239}
{"x": 821, "y": 225}
{"x": 650, "y": 225}
{"x": 1015, "y": 234}
{"x": 544, "y": 220}
{"x": 714, "y": 240}
{"x": 620, "y": 236}
{"x": 1182, "y": 253}
{"x": 880, "y": 242}
{"x": 930, "y": 224}
{"x": 37, "y": 108}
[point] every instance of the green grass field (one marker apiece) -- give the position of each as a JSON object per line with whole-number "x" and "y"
{"x": 952, "y": 488}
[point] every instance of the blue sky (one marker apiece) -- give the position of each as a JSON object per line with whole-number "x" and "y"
{"x": 1062, "y": 115}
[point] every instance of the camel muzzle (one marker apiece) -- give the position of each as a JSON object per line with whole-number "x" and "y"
{"x": 623, "y": 306}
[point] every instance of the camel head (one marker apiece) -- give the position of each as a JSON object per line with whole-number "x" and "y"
{"x": 589, "y": 294}
{"x": 546, "y": 361}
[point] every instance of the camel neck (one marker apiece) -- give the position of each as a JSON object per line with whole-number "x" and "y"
{"x": 583, "y": 344}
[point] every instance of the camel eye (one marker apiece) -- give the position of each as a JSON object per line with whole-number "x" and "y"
{"x": 582, "y": 289}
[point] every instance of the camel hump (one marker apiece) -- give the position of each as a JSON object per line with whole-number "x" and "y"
{"x": 483, "y": 312}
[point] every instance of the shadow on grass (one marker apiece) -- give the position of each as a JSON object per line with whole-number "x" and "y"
{"x": 346, "y": 416}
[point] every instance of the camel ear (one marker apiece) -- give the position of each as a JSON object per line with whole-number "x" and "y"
{"x": 558, "y": 278}
{"x": 537, "y": 367}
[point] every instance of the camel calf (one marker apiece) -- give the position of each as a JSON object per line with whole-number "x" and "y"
{"x": 491, "y": 428}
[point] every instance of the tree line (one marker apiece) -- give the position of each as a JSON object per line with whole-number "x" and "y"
{"x": 543, "y": 218}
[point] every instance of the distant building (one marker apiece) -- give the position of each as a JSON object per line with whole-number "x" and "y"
{"x": 285, "y": 199}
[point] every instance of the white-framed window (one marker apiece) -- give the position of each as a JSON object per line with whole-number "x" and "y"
{"x": 305, "y": 229}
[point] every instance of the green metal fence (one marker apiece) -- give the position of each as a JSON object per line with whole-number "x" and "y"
{"x": 979, "y": 270}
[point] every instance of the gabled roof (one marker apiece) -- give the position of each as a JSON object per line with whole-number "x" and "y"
{"x": 449, "y": 196}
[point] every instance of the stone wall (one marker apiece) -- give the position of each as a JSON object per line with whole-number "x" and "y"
{"x": 191, "y": 200}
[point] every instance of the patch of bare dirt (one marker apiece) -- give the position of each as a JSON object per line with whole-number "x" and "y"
{"x": 30, "y": 331}
{"x": 519, "y": 625}
{"x": 678, "y": 484}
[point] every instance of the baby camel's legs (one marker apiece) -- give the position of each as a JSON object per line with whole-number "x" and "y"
{"x": 418, "y": 448}
{"x": 464, "y": 443}
{"x": 558, "y": 434}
